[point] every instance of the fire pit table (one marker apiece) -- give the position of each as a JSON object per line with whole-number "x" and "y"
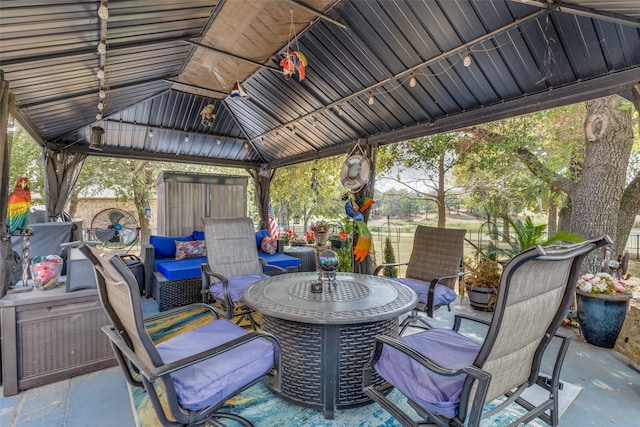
{"x": 327, "y": 337}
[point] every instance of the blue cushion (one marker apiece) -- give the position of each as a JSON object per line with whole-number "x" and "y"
{"x": 165, "y": 247}
{"x": 237, "y": 285}
{"x": 441, "y": 294}
{"x": 214, "y": 380}
{"x": 281, "y": 260}
{"x": 178, "y": 269}
{"x": 438, "y": 394}
{"x": 259, "y": 236}
{"x": 197, "y": 235}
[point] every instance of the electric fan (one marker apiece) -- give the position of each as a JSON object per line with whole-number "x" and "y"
{"x": 115, "y": 228}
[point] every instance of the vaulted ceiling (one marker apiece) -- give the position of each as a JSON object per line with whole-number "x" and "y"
{"x": 378, "y": 71}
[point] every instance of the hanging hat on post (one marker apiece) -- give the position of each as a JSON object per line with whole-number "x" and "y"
{"x": 355, "y": 172}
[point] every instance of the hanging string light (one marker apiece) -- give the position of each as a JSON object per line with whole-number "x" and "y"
{"x": 372, "y": 99}
{"x": 412, "y": 81}
{"x": 467, "y": 59}
{"x": 103, "y": 10}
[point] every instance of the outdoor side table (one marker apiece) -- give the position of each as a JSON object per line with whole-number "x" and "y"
{"x": 305, "y": 254}
{"x": 48, "y": 336}
{"x": 326, "y": 338}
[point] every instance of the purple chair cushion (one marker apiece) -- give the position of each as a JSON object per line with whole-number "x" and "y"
{"x": 438, "y": 394}
{"x": 215, "y": 379}
{"x": 237, "y": 285}
{"x": 441, "y": 294}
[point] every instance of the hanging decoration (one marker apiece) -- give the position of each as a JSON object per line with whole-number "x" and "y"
{"x": 356, "y": 210}
{"x": 207, "y": 115}
{"x": 355, "y": 170}
{"x": 238, "y": 92}
{"x": 294, "y": 61}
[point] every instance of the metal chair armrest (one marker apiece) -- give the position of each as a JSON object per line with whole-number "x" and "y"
{"x": 394, "y": 264}
{"x": 276, "y": 267}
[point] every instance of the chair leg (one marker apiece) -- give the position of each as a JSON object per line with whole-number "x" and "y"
{"x": 214, "y": 422}
{"x": 414, "y": 319}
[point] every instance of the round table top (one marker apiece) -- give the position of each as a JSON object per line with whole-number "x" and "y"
{"x": 356, "y": 298}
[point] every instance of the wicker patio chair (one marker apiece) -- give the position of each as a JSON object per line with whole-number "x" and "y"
{"x": 432, "y": 271}
{"x": 232, "y": 265}
{"x": 189, "y": 376}
{"x": 448, "y": 377}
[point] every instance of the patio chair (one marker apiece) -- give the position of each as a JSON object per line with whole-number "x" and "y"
{"x": 448, "y": 377}
{"x": 232, "y": 265}
{"x": 201, "y": 363}
{"x": 432, "y": 271}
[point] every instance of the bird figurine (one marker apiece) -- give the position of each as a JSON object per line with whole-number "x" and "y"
{"x": 19, "y": 204}
{"x": 356, "y": 211}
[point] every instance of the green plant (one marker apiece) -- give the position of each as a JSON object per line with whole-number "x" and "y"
{"x": 525, "y": 236}
{"x": 389, "y": 257}
{"x": 344, "y": 257}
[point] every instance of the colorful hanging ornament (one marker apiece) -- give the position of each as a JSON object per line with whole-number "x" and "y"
{"x": 294, "y": 62}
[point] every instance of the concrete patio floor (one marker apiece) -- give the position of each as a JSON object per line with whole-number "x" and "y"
{"x": 610, "y": 393}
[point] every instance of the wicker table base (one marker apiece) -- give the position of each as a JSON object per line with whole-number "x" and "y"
{"x": 322, "y": 364}
{"x": 326, "y": 338}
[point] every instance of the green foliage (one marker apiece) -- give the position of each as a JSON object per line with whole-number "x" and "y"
{"x": 527, "y": 235}
{"x": 26, "y": 160}
{"x": 389, "y": 257}
{"x": 345, "y": 257}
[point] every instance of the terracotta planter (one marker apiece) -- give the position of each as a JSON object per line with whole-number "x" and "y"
{"x": 481, "y": 298}
{"x": 601, "y": 317}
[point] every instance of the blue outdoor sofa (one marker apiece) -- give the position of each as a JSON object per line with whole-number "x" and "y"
{"x": 176, "y": 282}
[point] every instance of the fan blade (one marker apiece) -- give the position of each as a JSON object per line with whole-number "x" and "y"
{"x": 115, "y": 217}
{"x": 105, "y": 234}
{"x": 128, "y": 235}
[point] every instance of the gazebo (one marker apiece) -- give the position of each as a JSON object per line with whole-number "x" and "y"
{"x": 264, "y": 84}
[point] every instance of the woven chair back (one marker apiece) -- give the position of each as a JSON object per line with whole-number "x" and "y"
{"x": 536, "y": 289}
{"x": 231, "y": 246}
{"x": 437, "y": 252}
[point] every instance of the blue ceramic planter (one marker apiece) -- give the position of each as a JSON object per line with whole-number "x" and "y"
{"x": 601, "y": 317}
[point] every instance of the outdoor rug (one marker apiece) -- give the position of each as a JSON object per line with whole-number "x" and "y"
{"x": 264, "y": 409}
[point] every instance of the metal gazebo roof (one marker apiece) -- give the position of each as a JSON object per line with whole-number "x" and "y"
{"x": 378, "y": 72}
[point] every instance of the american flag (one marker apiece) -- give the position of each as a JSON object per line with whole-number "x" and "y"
{"x": 273, "y": 231}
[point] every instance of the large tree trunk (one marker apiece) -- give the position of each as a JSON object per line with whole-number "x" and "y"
{"x": 598, "y": 193}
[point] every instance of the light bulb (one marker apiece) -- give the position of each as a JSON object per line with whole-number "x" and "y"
{"x": 467, "y": 59}
{"x": 150, "y": 133}
{"x": 100, "y": 73}
{"x": 100, "y": 105}
{"x": 412, "y": 81}
{"x": 315, "y": 122}
{"x": 103, "y": 10}
{"x": 99, "y": 116}
{"x": 102, "y": 47}
{"x": 186, "y": 138}
{"x": 371, "y": 99}
{"x": 340, "y": 110}
{"x": 218, "y": 141}
{"x": 102, "y": 93}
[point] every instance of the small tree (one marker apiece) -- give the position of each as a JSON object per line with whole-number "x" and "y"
{"x": 389, "y": 257}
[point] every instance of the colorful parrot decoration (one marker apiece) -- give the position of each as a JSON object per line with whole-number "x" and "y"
{"x": 356, "y": 211}
{"x": 19, "y": 204}
{"x": 293, "y": 62}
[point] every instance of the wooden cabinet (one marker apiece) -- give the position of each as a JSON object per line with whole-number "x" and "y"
{"x": 51, "y": 335}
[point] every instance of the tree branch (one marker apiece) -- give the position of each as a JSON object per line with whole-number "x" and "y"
{"x": 539, "y": 170}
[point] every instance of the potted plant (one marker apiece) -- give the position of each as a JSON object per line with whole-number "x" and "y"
{"x": 321, "y": 230}
{"x": 602, "y": 303}
{"x": 481, "y": 279}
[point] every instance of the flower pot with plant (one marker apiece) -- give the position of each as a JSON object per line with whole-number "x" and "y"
{"x": 602, "y": 303}
{"x": 482, "y": 279}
